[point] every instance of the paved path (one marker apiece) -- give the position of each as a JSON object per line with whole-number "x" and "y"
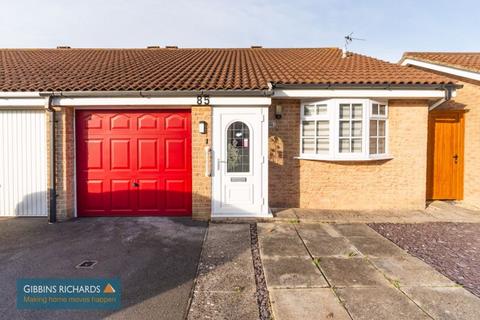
{"x": 438, "y": 211}
{"x": 324, "y": 271}
{"x": 225, "y": 286}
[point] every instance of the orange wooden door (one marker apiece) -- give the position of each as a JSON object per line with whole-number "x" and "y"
{"x": 445, "y": 155}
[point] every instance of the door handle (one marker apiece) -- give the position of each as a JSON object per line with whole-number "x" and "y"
{"x": 455, "y": 157}
{"x": 135, "y": 184}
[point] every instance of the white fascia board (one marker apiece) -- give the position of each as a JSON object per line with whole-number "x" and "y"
{"x": 155, "y": 101}
{"x": 22, "y": 102}
{"x": 374, "y": 93}
{"x": 15, "y": 94}
{"x": 444, "y": 69}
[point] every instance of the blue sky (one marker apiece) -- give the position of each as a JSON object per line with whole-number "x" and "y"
{"x": 389, "y": 27}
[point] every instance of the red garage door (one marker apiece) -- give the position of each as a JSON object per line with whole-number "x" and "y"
{"x": 133, "y": 163}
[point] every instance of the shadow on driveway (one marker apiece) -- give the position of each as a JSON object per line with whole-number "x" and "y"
{"x": 155, "y": 258}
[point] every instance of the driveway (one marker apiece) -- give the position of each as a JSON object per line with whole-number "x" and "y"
{"x": 156, "y": 260}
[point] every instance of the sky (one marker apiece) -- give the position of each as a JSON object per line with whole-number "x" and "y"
{"x": 388, "y": 27}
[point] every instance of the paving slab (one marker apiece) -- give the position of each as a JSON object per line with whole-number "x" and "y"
{"x": 315, "y": 232}
{"x": 330, "y": 247}
{"x": 318, "y": 303}
{"x": 446, "y": 303}
{"x": 356, "y": 230}
{"x": 292, "y": 272}
{"x": 224, "y": 305}
{"x": 379, "y": 303}
{"x": 284, "y": 247}
{"x": 277, "y": 230}
{"x": 410, "y": 271}
{"x": 234, "y": 275}
{"x": 226, "y": 240}
{"x": 376, "y": 246}
{"x": 351, "y": 272}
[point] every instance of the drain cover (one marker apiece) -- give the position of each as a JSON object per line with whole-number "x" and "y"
{"x": 86, "y": 264}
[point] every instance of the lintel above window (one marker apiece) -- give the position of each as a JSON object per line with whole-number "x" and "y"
{"x": 344, "y": 129}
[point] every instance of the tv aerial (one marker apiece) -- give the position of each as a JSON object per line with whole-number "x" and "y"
{"x": 348, "y": 40}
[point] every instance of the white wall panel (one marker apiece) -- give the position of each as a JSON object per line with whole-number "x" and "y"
{"x": 23, "y": 163}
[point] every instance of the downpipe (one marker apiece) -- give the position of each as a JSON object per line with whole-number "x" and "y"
{"x": 52, "y": 191}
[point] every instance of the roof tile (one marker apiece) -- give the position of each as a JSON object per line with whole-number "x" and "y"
{"x": 463, "y": 60}
{"x": 194, "y": 69}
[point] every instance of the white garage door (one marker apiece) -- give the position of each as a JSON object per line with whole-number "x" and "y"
{"x": 23, "y": 163}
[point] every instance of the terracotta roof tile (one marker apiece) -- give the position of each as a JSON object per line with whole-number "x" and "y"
{"x": 463, "y": 60}
{"x": 194, "y": 69}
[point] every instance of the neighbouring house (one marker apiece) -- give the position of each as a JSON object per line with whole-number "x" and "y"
{"x": 211, "y": 132}
{"x": 454, "y": 139}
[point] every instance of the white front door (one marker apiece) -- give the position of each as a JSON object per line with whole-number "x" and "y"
{"x": 240, "y": 175}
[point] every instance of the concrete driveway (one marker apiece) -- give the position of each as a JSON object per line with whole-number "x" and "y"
{"x": 155, "y": 258}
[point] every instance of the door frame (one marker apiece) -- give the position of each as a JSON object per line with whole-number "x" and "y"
{"x": 430, "y": 153}
{"x": 216, "y": 149}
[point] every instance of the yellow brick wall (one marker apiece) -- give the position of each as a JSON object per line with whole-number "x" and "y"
{"x": 64, "y": 157}
{"x": 201, "y": 184}
{"x": 468, "y": 99}
{"x": 399, "y": 183}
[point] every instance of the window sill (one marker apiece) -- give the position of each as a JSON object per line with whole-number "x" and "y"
{"x": 353, "y": 159}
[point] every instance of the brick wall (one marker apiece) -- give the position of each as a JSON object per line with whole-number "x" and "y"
{"x": 399, "y": 183}
{"x": 65, "y": 163}
{"x": 468, "y": 99}
{"x": 201, "y": 184}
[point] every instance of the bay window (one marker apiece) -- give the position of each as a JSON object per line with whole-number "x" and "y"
{"x": 344, "y": 129}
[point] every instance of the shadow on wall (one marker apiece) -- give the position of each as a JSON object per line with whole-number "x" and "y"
{"x": 155, "y": 258}
{"x": 33, "y": 204}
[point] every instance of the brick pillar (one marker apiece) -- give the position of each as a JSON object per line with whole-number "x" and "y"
{"x": 201, "y": 184}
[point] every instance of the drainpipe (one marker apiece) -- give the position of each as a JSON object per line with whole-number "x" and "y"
{"x": 52, "y": 192}
{"x": 448, "y": 96}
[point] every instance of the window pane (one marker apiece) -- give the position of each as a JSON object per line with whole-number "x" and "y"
{"x": 309, "y": 110}
{"x": 381, "y": 145}
{"x": 238, "y": 147}
{"x": 344, "y": 146}
{"x": 308, "y": 128}
{"x": 373, "y": 145}
{"x": 357, "y": 111}
{"x": 373, "y": 128}
{"x": 321, "y": 109}
{"x": 344, "y": 111}
{"x": 375, "y": 109}
{"x": 356, "y": 128}
{"x": 344, "y": 128}
{"x": 322, "y": 146}
{"x": 383, "y": 110}
{"x": 308, "y": 145}
{"x": 356, "y": 145}
{"x": 381, "y": 128}
{"x": 322, "y": 128}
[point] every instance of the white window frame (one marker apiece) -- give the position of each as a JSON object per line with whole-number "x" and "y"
{"x": 333, "y": 116}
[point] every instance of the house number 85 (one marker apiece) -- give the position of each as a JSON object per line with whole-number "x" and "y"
{"x": 203, "y": 100}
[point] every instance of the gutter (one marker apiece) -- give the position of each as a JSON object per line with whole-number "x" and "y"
{"x": 147, "y": 94}
{"x": 52, "y": 191}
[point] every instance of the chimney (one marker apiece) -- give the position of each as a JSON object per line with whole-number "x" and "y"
{"x": 256, "y": 47}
